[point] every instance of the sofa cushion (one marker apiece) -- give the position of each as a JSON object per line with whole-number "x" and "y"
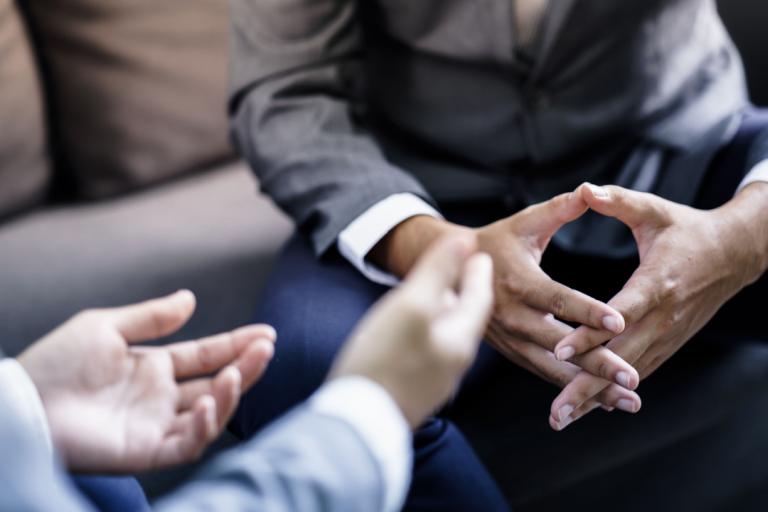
{"x": 210, "y": 233}
{"x": 137, "y": 89}
{"x": 23, "y": 161}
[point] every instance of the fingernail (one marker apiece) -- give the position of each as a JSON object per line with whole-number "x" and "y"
{"x": 564, "y": 413}
{"x": 598, "y": 191}
{"x": 612, "y": 323}
{"x": 626, "y": 405}
{"x": 607, "y": 408}
{"x": 270, "y": 332}
{"x": 623, "y": 379}
{"x": 562, "y": 424}
{"x": 565, "y": 353}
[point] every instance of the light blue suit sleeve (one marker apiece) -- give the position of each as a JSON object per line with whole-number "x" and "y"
{"x": 30, "y": 480}
{"x": 305, "y": 462}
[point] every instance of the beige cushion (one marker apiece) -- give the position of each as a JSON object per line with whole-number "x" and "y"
{"x": 23, "y": 162}
{"x": 138, "y": 88}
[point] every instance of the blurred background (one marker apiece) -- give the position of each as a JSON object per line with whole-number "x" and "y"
{"x": 117, "y": 178}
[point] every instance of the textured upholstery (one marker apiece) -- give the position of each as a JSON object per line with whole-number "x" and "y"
{"x": 23, "y": 161}
{"x": 137, "y": 89}
{"x": 210, "y": 233}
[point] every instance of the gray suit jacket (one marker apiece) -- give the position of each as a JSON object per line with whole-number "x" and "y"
{"x": 339, "y": 103}
{"x": 304, "y": 462}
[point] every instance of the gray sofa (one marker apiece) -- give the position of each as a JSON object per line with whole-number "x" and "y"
{"x": 118, "y": 182}
{"x": 205, "y": 227}
{"x": 211, "y": 233}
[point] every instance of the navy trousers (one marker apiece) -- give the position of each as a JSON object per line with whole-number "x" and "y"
{"x": 695, "y": 445}
{"x": 113, "y": 494}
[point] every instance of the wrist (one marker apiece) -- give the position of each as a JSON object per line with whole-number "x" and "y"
{"x": 747, "y": 222}
{"x": 399, "y": 250}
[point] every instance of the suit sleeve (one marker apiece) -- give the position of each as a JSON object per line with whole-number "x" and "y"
{"x": 298, "y": 112}
{"x": 307, "y": 461}
{"x": 30, "y": 477}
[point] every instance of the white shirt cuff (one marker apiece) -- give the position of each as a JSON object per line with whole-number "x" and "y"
{"x": 372, "y": 412}
{"x": 363, "y": 233}
{"x": 758, "y": 173}
{"x": 23, "y": 397}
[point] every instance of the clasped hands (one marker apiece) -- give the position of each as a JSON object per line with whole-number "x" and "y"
{"x": 691, "y": 262}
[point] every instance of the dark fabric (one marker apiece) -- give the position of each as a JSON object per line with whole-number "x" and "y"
{"x": 336, "y": 103}
{"x": 24, "y": 166}
{"x": 113, "y": 494}
{"x": 746, "y": 20}
{"x": 698, "y": 443}
{"x": 137, "y": 90}
{"x": 314, "y": 305}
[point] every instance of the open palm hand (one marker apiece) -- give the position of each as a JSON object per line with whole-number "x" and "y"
{"x": 116, "y": 407}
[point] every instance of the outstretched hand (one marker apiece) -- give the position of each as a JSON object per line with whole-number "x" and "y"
{"x": 116, "y": 407}
{"x": 420, "y": 339}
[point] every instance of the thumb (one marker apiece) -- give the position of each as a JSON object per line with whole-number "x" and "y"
{"x": 154, "y": 318}
{"x": 545, "y": 219}
{"x": 629, "y": 206}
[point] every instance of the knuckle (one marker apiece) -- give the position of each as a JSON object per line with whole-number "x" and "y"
{"x": 561, "y": 378}
{"x": 517, "y": 287}
{"x": 668, "y": 288}
{"x": 671, "y": 320}
{"x": 558, "y": 304}
{"x": 510, "y": 323}
{"x": 603, "y": 368}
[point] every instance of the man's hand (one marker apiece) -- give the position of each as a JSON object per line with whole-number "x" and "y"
{"x": 118, "y": 408}
{"x": 421, "y": 338}
{"x": 526, "y": 323}
{"x": 530, "y": 308}
{"x": 691, "y": 263}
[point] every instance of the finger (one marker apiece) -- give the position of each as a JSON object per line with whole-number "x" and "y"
{"x": 476, "y": 295}
{"x": 207, "y": 355}
{"x": 636, "y": 299}
{"x": 567, "y": 420}
{"x": 630, "y": 207}
{"x": 616, "y": 397}
{"x": 580, "y": 390}
{"x": 539, "y": 361}
{"x": 586, "y": 387}
{"x": 154, "y": 318}
{"x": 611, "y": 395}
{"x": 225, "y": 389}
{"x": 637, "y": 340}
{"x": 545, "y": 219}
{"x": 546, "y": 331}
{"x": 571, "y": 305}
{"x": 460, "y": 329}
{"x": 190, "y": 434}
{"x": 533, "y": 325}
{"x": 254, "y": 363}
{"x": 631, "y": 345}
{"x": 250, "y": 366}
{"x": 439, "y": 269}
{"x": 226, "y": 392}
{"x": 606, "y": 364}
